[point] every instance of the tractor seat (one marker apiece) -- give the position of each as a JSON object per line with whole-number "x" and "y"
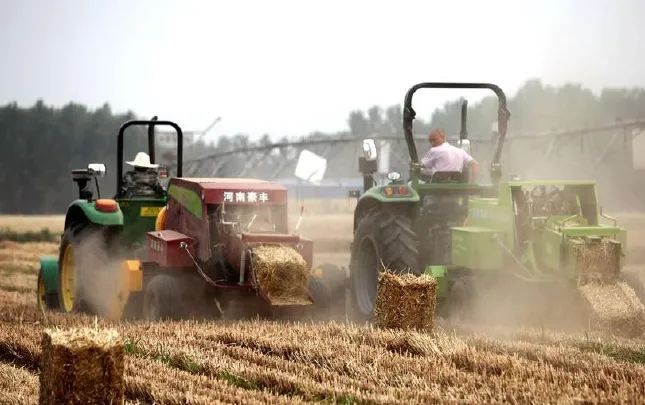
{"x": 447, "y": 177}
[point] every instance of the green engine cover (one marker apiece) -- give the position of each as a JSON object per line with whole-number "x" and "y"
{"x": 95, "y": 216}
{"x": 139, "y": 216}
{"x": 477, "y": 248}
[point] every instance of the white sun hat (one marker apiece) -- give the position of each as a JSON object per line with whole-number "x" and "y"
{"x": 142, "y": 160}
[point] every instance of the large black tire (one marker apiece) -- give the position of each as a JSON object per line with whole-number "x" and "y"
{"x": 85, "y": 244}
{"x": 460, "y": 300}
{"x": 383, "y": 239}
{"x": 322, "y": 299}
{"x": 179, "y": 296}
{"x": 161, "y": 298}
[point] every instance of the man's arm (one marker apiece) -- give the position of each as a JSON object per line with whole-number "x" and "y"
{"x": 471, "y": 165}
{"x": 427, "y": 162}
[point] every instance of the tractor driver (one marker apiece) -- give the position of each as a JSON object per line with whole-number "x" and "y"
{"x": 143, "y": 181}
{"x": 443, "y": 157}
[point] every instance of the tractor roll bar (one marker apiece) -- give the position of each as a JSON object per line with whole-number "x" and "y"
{"x": 151, "y": 124}
{"x": 463, "y": 133}
{"x": 502, "y": 116}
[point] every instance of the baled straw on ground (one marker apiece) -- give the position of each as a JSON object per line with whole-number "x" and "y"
{"x": 282, "y": 274}
{"x": 405, "y": 301}
{"x": 82, "y": 366}
{"x": 615, "y": 307}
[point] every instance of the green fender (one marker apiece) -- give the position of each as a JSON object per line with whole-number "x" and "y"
{"x": 378, "y": 195}
{"x": 92, "y": 215}
{"x": 381, "y": 194}
{"x": 49, "y": 270}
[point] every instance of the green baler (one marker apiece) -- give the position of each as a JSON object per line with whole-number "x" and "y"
{"x": 538, "y": 230}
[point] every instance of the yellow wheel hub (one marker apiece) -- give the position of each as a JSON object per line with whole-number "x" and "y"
{"x": 67, "y": 290}
{"x": 41, "y": 293}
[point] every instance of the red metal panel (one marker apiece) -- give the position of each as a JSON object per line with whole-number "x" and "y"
{"x": 249, "y": 194}
{"x": 164, "y": 249}
{"x": 235, "y": 191}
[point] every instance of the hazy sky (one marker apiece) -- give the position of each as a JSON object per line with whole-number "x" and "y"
{"x": 291, "y": 67}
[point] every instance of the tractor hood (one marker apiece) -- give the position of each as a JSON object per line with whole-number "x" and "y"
{"x": 234, "y": 191}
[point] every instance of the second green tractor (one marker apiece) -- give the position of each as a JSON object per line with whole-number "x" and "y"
{"x": 479, "y": 239}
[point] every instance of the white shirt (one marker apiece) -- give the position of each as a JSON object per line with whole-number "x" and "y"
{"x": 445, "y": 158}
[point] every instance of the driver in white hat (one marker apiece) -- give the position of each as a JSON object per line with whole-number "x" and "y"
{"x": 143, "y": 181}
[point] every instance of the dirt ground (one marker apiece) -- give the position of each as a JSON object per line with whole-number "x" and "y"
{"x": 264, "y": 361}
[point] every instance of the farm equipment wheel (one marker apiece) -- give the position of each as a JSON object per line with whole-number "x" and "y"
{"x": 161, "y": 298}
{"x": 322, "y": 299}
{"x": 459, "y": 306}
{"x": 45, "y": 301}
{"x": 335, "y": 280}
{"x": 382, "y": 239}
{"x": 69, "y": 280}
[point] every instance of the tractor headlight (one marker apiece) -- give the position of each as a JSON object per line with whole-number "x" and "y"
{"x": 393, "y": 176}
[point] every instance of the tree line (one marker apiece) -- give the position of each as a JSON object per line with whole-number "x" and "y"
{"x": 40, "y": 145}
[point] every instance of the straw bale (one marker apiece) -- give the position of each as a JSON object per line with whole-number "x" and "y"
{"x": 598, "y": 261}
{"x": 81, "y": 366}
{"x": 615, "y": 307}
{"x": 282, "y": 274}
{"x": 405, "y": 301}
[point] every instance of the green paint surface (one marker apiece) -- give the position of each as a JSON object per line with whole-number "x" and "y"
{"x": 98, "y": 217}
{"x": 135, "y": 224}
{"x": 189, "y": 199}
{"x": 439, "y": 273}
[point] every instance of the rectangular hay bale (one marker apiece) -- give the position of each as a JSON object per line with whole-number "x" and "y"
{"x": 282, "y": 274}
{"x": 82, "y": 366}
{"x": 405, "y": 301}
{"x": 598, "y": 261}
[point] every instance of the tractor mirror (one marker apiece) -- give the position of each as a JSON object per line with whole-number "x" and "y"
{"x": 369, "y": 149}
{"x": 464, "y": 144}
{"x": 97, "y": 169}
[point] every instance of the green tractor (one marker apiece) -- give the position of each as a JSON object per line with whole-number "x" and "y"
{"x": 98, "y": 230}
{"x": 480, "y": 241}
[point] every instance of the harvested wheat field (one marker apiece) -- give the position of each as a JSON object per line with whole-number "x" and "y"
{"x": 279, "y": 362}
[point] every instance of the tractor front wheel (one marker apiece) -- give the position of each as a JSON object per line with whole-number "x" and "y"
{"x": 382, "y": 240}
{"x": 45, "y": 301}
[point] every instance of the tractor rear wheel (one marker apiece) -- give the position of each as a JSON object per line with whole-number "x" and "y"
{"x": 383, "y": 239}
{"x": 161, "y": 298}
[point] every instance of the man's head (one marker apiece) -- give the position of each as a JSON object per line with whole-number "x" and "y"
{"x": 437, "y": 137}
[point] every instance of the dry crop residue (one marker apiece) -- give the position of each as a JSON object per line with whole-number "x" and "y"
{"x": 278, "y": 362}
